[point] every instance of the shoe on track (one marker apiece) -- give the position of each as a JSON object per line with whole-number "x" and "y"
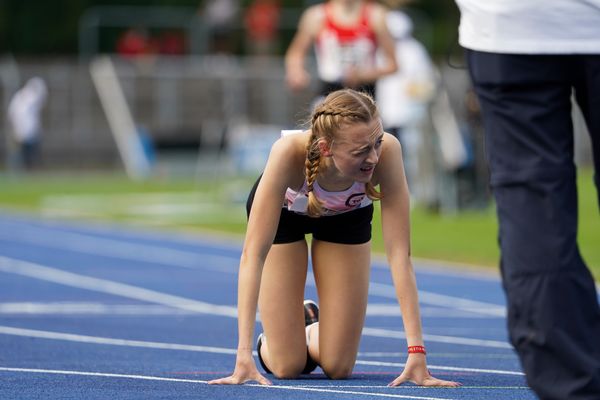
{"x": 311, "y": 312}
{"x": 311, "y": 315}
{"x": 259, "y": 341}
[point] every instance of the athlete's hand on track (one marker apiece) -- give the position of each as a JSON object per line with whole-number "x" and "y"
{"x": 245, "y": 371}
{"x": 416, "y": 372}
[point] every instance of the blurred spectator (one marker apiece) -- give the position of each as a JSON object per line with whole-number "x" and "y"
{"x": 262, "y": 24}
{"x": 403, "y": 96}
{"x": 24, "y": 116}
{"x": 135, "y": 42}
{"x": 172, "y": 43}
{"x": 220, "y": 16}
{"x": 346, "y": 35}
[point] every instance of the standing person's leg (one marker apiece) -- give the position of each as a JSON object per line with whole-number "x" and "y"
{"x": 587, "y": 92}
{"x": 30, "y": 149}
{"x": 342, "y": 278}
{"x": 282, "y": 310}
{"x": 552, "y": 306}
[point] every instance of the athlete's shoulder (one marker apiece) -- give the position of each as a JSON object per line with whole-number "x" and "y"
{"x": 377, "y": 14}
{"x": 292, "y": 144}
{"x": 316, "y": 9}
{"x": 287, "y": 158}
{"x": 391, "y": 147}
{"x": 390, "y": 158}
{"x": 377, "y": 8}
{"x": 313, "y": 16}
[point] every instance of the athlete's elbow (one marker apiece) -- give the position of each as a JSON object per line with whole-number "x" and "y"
{"x": 250, "y": 257}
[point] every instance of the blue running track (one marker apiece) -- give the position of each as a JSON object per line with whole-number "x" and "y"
{"x": 106, "y": 312}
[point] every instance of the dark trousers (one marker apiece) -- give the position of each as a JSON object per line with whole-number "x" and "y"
{"x": 553, "y": 311}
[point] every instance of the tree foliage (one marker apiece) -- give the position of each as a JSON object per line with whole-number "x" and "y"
{"x": 43, "y": 27}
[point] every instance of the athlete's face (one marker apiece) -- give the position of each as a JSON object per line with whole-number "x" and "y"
{"x": 356, "y": 149}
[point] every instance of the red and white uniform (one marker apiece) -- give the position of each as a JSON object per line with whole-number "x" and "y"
{"x": 339, "y": 48}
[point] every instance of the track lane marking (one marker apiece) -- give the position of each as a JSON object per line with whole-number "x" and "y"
{"x": 37, "y": 271}
{"x": 391, "y": 334}
{"x": 179, "y": 380}
{"x": 14, "y": 331}
{"x": 55, "y": 275}
{"x": 103, "y": 247}
{"x": 100, "y": 308}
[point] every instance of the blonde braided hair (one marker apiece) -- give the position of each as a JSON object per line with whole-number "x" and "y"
{"x": 339, "y": 108}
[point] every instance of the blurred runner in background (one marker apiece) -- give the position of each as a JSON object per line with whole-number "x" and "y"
{"x": 346, "y": 35}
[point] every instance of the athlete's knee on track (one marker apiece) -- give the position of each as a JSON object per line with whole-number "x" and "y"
{"x": 287, "y": 369}
{"x": 337, "y": 369}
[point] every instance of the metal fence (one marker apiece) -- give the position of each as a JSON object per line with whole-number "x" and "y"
{"x": 182, "y": 102}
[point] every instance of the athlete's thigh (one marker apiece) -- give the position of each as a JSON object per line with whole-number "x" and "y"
{"x": 281, "y": 300}
{"x": 342, "y": 278}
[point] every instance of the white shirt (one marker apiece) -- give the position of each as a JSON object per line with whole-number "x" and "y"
{"x": 402, "y": 95}
{"x": 530, "y": 26}
{"x": 25, "y": 108}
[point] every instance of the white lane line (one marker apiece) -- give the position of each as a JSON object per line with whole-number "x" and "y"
{"x": 396, "y": 396}
{"x": 392, "y": 334}
{"x": 100, "y": 374}
{"x": 221, "y": 263}
{"x": 14, "y": 331}
{"x": 442, "y": 368}
{"x": 126, "y": 251}
{"x": 105, "y": 286}
{"x": 70, "y": 337}
{"x": 41, "y": 272}
{"x": 438, "y": 354}
{"x": 180, "y": 380}
{"x": 388, "y": 291}
{"x": 393, "y": 310}
{"x": 87, "y": 309}
{"x": 54, "y": 228}
{"x": 96, "y": 308}
{"x": 422, "y": 387}
{"x": 123, "y": 232}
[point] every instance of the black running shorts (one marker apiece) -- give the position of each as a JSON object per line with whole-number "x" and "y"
{"x": 352, "y": 227}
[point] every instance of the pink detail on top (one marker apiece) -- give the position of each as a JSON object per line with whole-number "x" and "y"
{"x": 333, "y": 202}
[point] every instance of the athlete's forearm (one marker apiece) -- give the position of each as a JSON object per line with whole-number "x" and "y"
{"x": 408, "y": 298}
{"x": 294, "y": 61}
{"x": 248, "y": 289}
{"x": 372, "y": 75}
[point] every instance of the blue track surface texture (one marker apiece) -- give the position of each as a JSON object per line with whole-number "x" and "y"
{"x": 89, "y": 312}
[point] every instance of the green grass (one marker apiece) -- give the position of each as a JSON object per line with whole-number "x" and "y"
{"x": 468, "y": 237}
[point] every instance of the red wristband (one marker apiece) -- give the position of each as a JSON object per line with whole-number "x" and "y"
{"x": 416, "y": 349}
